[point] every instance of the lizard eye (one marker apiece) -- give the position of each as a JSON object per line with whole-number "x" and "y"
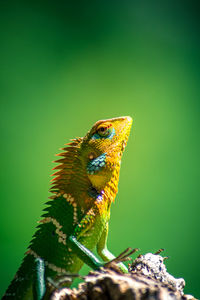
{"x": 104, "y": 130}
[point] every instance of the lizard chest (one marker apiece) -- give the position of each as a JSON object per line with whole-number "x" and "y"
{"x": 92, "y": 234}
{"x": 93, "y": 223}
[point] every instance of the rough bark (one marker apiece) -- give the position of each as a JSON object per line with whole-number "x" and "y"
{"x": 147, "y": 279}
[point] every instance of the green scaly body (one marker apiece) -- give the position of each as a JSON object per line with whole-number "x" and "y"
{"x": 84, "y": 187}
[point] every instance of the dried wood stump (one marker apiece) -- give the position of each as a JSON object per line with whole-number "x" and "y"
{"x": 147, "y": 279}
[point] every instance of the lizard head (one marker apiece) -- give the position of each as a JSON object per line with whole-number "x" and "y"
{"x": 102, "y": 148}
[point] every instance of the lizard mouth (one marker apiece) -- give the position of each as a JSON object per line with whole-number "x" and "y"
{"x": 126, "y": 129}
{"x": 124, "y": 143}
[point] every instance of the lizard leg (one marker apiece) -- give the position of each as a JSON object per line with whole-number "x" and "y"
{"x": 81, "y": 251}
{"x": 85, "y": 254}
{"x": 104, "y": 253}
{"x": 39, "y": 284}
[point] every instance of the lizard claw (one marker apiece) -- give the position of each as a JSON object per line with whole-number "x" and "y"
{"x": 159, "y": 251}
{"x": 60, "y": 280}
{"x": 123, "y": 256}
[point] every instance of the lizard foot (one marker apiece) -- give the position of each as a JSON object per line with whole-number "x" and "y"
{"x": 117, "y": 264}
{"x": 63, "y": 280}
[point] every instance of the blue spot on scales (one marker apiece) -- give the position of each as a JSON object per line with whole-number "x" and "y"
{"x": 96, "y": 164}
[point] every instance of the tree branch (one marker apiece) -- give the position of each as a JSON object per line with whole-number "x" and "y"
{"x": 147, "y": 279}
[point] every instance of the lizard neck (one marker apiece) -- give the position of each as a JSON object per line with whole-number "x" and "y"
{"x": 111, "y": 188}
{"x": 72, "y": 179}
{"x": 108, "y": 194}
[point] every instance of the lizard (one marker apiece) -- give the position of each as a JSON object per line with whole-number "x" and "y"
{"x": 75, "y": 219}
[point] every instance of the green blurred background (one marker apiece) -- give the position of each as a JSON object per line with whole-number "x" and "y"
{"x": 65, "y": 65}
